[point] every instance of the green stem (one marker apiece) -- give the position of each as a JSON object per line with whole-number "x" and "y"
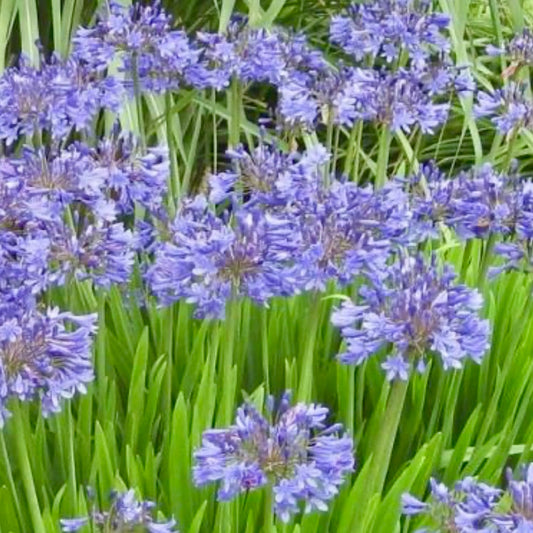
{"x": 232, "y": 330}
{"x": 306, "y": 370}
{"x": 268, "y": 517}
{"x": 387, "y": 434}
{"x": 264, "y": 350}
{"x": 350, "y": 411}
{"x": 9, "y": 475}
{"x": 485, "y": 262}
{"x": 138, "y": 102}
{"x": 352, "y": 148}
{"x": 174, "y": 185}
{"x": 26, "y": 472}
{"x": 385, "y": 139}
{"x": 329, "y": 146}
{"x": 235, "y": 113}
{"x": 465, "y": 262}
{"x": 509, "y": 153}
{"x": 100, "y": 348}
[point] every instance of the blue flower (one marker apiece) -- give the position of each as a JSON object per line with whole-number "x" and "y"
{"x": 296, "y": 453}
{"x": 475, "y": 506}
{"x": 141, "y": 39}
{"x": 519, "y": 50}
{"x": 41, "y": 358}
{"x": 125, "y": 513}
{"x": 509, "y": 107}
{"x": 386, "y": 28}
{"x": 208, "y": 261}
{"x": 418, "y": 310}
{"x": 400, "y": 99}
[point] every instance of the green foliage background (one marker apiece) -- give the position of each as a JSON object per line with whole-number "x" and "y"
{"x": 162, "y": 377}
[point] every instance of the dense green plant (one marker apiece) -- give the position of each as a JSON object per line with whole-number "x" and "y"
{"x": 163, "y": 377}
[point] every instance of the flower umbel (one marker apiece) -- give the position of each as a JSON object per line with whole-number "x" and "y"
{"x": 39, "y": 357}
{"x": 126, "y": 514}
{"x": 293, "y": 450}
{"x": 418, "y": 310}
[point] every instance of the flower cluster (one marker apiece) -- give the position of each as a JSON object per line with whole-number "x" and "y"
{"x": 475, "y": 506}
{"x": 418, "y": 310}
{"x": 287, "y": 232}
{"x": 64, "y": 214}
{"x": 140, "y": 38}
{"x": 207, "y": 261}
{"x": 41, "y": 358}
{"x": 509, "y": 108}
{"x": 58, "y": 97}
{"x": 412, "y": 78}
{"x": 60, "y": 209}
{"x": 387, "y": 28}
{"x": 474, "y": 204}
{"x": 296, "y": 454}
{"x": 519, "y": 50}
{"x": 159, "y": 58}
{"x": 126, "y": 515}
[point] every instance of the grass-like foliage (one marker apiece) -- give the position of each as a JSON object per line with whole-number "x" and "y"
{"x": 266, "y": 266}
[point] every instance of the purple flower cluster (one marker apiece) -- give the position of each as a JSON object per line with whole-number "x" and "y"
{"x": 296, "y": 454}
{"x": 208, "y": 261}
{"x": 310, "y": 89}
{"x": 140, "y": 38}
{"x": 58, "y": 97}
{"x": 509, "y": 108}
{"x": 401, "y": 99}
{"x": 418, "y": 310}
{"x": 519, "y": 50}
{"x": 386, "y": 28}
{"x": 475, "y": 203}
{"x": 64, "y": 212}
{"x": 254, "y": 55}
{"x": 402, "y": 94}
{"x": 126, "y": 513}
{"x": 41, "y": 358}
{"x": 287, "y": 232}
{"x": 475, "y": 506}
{"x": 60, "y": 210}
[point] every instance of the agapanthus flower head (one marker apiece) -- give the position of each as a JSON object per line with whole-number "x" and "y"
{"x": 401, "y": 100}
{"x": 431, "y": 195}
{"x": 79, "y": 94}
{"x": 58, "y": 97}
{"x": 292, "y": 450}
{"x": 257, "y": 176}
{"x": 276, "y": 55}
{"x": 269, "y": 176}
{"x": 519, "y": 50}
{"x": 25, "y": 100}
{"x": 475, "y": 203}
{"x": 253, "y": 55}
{"x": 209, "y": 261}
{"x": 96, "y": 249}
{"x": 126, "y": 175}
{"x": 466, "y": 507}
{"x": 41, "y": 358}
{"x": 484, "y": 201}
{"x": 475, "y": 506}
{"x": 126, "y": 514}
{"x": 348, "y": 231}
{"x": 517, "y": 249}
{"x": 509, "y": 108}
{"x": 386, "y": 28}
{"x": 141, "y": 38}
{"x": 418, "y": 309}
